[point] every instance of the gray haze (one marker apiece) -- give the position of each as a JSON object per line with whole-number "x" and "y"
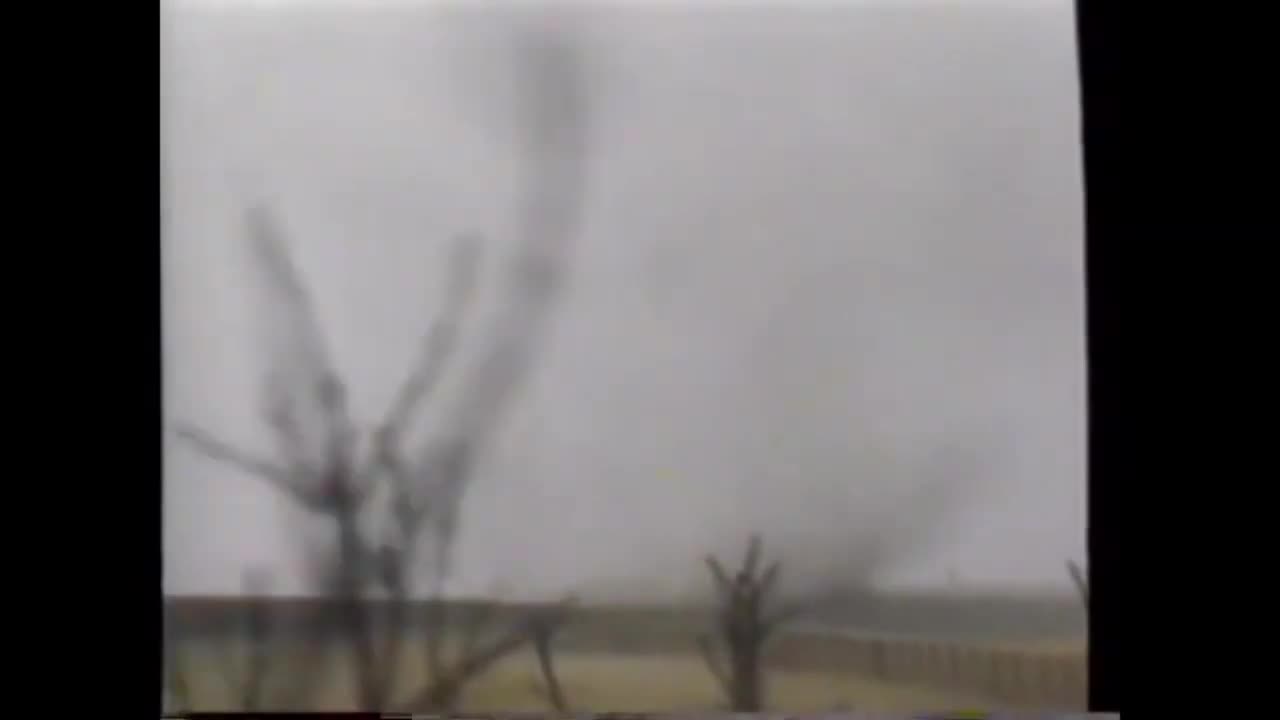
{"x": 829, "y": 285}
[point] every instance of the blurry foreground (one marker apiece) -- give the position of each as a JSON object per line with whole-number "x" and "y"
{"x": 1029, "y": 656}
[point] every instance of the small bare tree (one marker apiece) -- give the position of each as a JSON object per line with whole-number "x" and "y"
{"x": 745, "y": 624}
{"x": 331, "y": 468}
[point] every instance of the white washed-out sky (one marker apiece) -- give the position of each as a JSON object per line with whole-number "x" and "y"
{"x": 828, "y": 287}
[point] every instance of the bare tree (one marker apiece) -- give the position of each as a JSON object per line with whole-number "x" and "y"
{"x": 329, "y": 467}
{"x": 745, "y": 624}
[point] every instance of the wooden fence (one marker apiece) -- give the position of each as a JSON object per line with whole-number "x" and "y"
{"x": 1045, "y": 678}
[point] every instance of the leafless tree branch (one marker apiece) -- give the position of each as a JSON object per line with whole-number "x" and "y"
{"x": 723, "y": 584}
{"x": 752, "y": 558}
{"x": 441, "y": 340}
{"x": 217, "y": 450}
{"x": 769, "y": 578}
{"x": 1081, "y": 581}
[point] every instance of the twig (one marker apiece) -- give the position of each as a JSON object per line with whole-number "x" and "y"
{"x": 723, "y": 583}
{"x": 752, "y": 558}
{"x": 220, "y": 451}
{"x": 769, "y": 578}
{"x": 266, "y": 240}
{"x": 441, "y": 340}
{"x": 1081, "y": 581}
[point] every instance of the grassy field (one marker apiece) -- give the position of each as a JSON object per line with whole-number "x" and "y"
{"x": 643, "y": 659}
{"x": 606, "y": 681}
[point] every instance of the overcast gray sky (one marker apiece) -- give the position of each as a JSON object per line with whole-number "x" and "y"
{"x": 829, "y": 284}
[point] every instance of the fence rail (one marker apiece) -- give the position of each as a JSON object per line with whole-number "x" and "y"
{"x": 1019, "y": 675}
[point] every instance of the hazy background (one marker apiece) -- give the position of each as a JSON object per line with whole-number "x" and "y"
{"x": 829, "y": 285}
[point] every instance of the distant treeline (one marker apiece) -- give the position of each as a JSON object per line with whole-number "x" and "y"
{"x": 956, "y": 615}
{"x": 974, "y": 616}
